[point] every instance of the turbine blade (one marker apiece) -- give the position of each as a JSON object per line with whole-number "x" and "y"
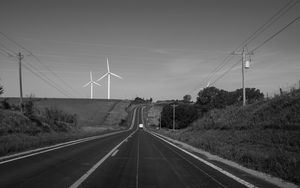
{"x": 107, "y": 65}
{"x": 103, "y": 76}
{"x": 97, "y": 83}
{"x": 86, "y": 84}
{"x": 116, "y": 75}
{"x": 91, "y": 77}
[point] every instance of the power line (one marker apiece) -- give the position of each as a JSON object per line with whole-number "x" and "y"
{"x": 260, "y": 45}
{"x": 39, "y": 61}
{"x": 230, "y": 68}
{"x": 6, "y": 50}
{"x": 30, "y": 68}
{"x": 275, "y": 34}
{"x": 64, "y": 82}
{"x": 48, "y": 79}
{"x": 42, "y": 76}
{"x": 281, "y": 12}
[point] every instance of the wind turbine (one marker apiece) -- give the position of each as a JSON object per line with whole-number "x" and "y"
{"x": 91, "y": 82}
{"x": 108, "y": 78}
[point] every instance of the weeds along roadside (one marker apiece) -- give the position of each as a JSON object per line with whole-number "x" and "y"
{"x": 263, "y": 136}
{"x": 34, "y": 129}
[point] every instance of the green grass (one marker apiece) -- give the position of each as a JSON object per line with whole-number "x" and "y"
{"x": 263, "y": 136}
{"x": 89, "y": 112}
{"x": 117, "y": 114}
{"x": 19, "y": 132}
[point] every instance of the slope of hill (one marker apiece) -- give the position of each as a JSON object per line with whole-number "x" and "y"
{"x": 263, "y": 136}
{"x": 89, "y": 112}
{"x": 58, "y": 120}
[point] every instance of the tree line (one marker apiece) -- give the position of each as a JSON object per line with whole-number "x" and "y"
{"x": 209, "y": 98}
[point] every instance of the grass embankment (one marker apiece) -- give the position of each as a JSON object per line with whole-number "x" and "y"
{"x": 264, "y": 136}
{"x": 50, "y": 125}
{"x": 89, "y": 112}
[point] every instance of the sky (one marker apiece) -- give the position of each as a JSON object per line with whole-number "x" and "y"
{"x": 163, "y": 49}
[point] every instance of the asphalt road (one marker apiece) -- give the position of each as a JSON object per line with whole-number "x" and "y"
{"x": 133, "y": 158}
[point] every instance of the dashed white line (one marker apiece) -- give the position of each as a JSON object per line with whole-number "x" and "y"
{"x": 30, "y": 153}
{"x": 90, "y": 171}
{"x": 137, "y": 164}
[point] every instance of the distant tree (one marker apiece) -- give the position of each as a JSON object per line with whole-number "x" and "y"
{"x": 185, "y": 114}
{"x": 252, "y": 95}
{"x": 212, "y": 97}
{"x": 5, "y": 104}
{"x": 151, "y": 100}
{"x": 138, "y": 100}
{"x": 187, "y": 98}
{"x": 1, "y": 90}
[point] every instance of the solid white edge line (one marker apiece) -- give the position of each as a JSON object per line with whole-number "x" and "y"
{"x": 114, "y": 153}
{"x": 241, "y": 181}
{"x": 30, "y": 153}
{"x": 90, "y": 171}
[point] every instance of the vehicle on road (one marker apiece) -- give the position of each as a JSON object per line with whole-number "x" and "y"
{"x": 141, "y": 126}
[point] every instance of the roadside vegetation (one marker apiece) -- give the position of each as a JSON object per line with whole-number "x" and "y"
{"x": 264, "y": 135}
{"x": 50, "y": 121}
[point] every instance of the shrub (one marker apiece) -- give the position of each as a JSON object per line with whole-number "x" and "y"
{"x": 28, "y": 108}
{"x": 5, "y": 104}
{"x": 59, "y": 120}
{"x": 184, "y": 115}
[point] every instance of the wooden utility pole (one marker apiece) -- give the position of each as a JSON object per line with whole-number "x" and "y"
{"x": 160, "y": 121}
{"x": 20, "y": 57}
{"x": 243, "y": 75}
{"x": 174, "y": 106}
{"x": 243, "y": 54}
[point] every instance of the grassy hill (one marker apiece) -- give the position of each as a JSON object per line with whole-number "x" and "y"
{"x": 58, "y": 120}
{"x": 264, "y": 136}
{"x": 89, "y": 112}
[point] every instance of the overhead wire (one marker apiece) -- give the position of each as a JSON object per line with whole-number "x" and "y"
{"x": 6, "y": 50}
{"x": 40, "y": 62}
{"x": 33, "y": 70}
{"x": 275, "y": 34}
{"x": 227, "y": 71}
{"x": 281, "y": 12}
{"x": 260, "y": 45}
{"x": 38, "y": 73}
{"x": 56, "y": 75}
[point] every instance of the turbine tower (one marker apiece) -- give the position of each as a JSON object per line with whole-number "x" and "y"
{"x": 108, "y": 74}
{"x": 91, "y": 82}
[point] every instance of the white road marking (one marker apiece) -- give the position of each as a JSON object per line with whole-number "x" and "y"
{"x": 241, "y": 181}
{"x": 90, "y": 171}
{"x": 137, "y": 164}
{"x": 114, "y": 153}
{"x": 38, "y": 151}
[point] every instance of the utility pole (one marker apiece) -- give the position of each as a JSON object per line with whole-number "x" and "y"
{"x": 174, "y": 106}
{"x": 244, "y": 53}
{"x": 160, "y": 121}
{"x": 20, "y": 57}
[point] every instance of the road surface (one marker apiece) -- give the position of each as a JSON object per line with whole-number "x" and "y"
{"x": 133, "y": 158}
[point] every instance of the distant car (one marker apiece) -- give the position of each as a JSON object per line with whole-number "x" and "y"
{"x": 141, "y": 126}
